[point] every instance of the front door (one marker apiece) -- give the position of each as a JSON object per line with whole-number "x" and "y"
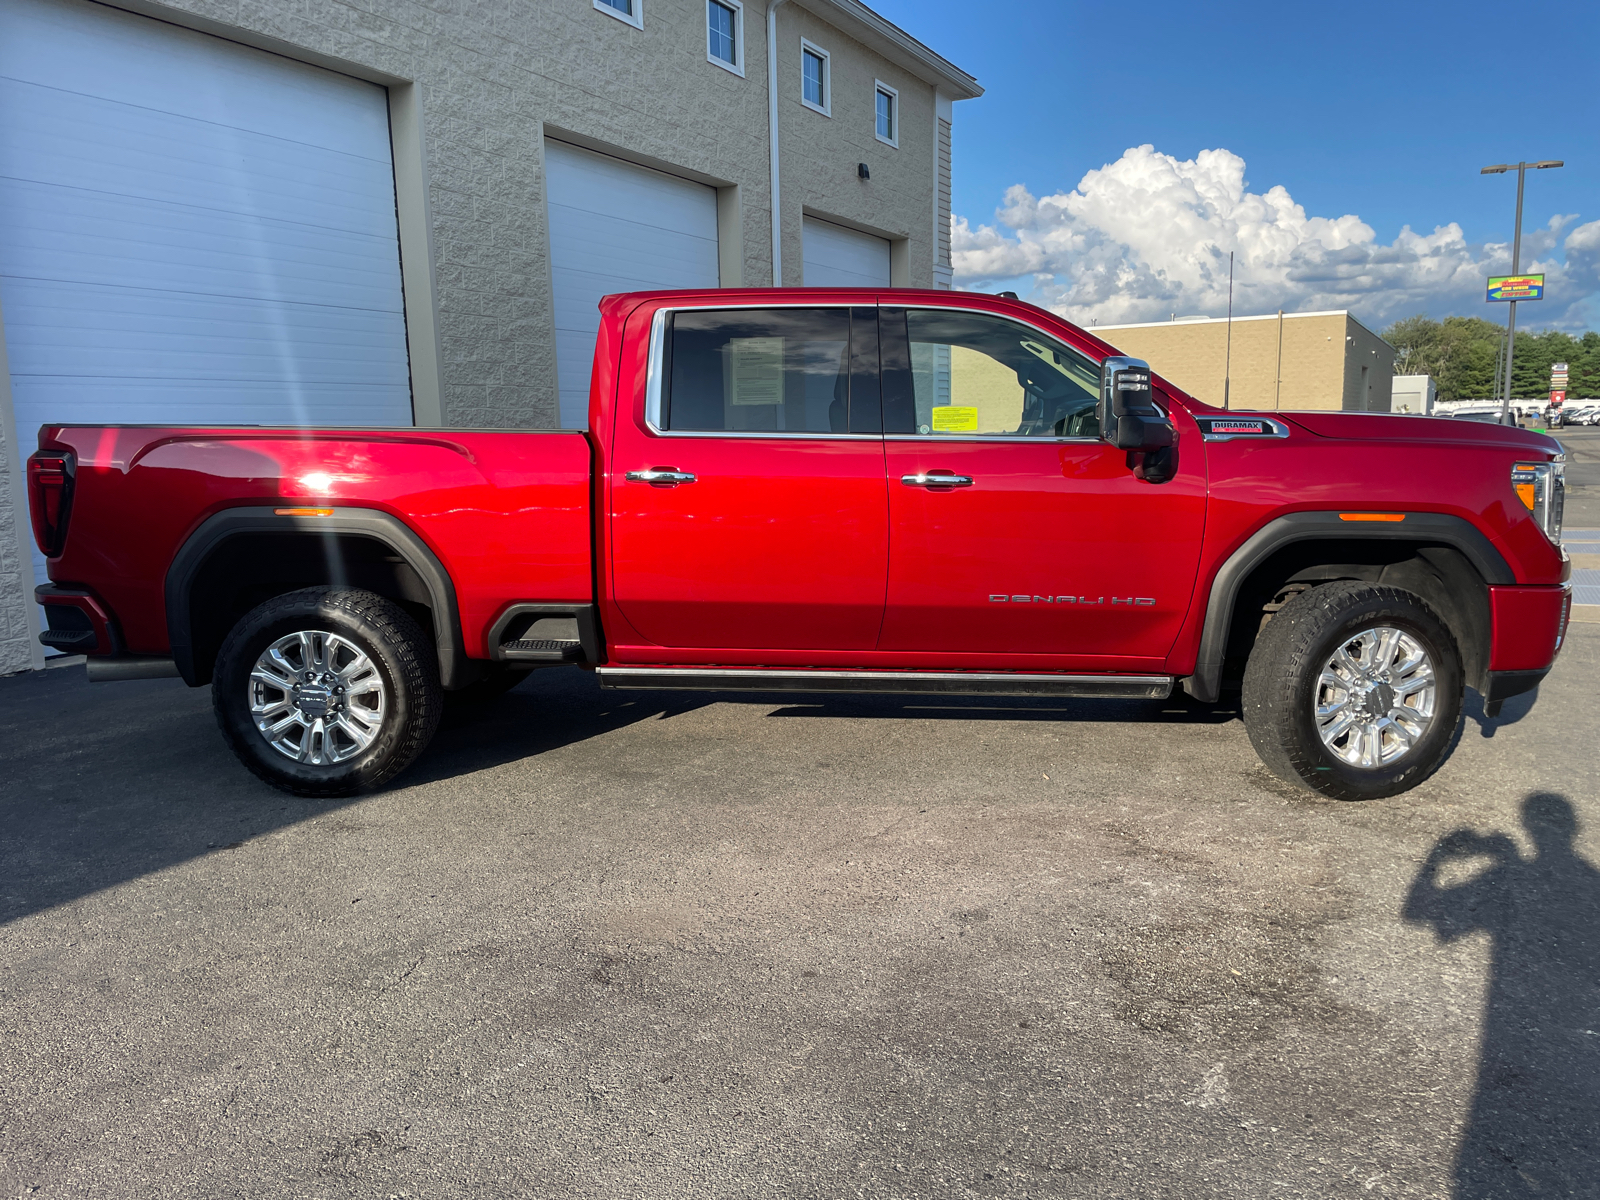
{"x": 1014, "y": 529}
{"x": 749, "y": 507}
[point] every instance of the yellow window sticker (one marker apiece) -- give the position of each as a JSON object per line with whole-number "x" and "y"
{"x": 955, "y": 418}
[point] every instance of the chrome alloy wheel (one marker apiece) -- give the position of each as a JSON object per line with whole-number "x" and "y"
{"x": 1375, "y": 697}
{"x": 317, "y": 697}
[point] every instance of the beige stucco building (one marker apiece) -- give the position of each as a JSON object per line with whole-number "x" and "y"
{"x": 1320, "y": 360}
{"x": 398, "y": 212}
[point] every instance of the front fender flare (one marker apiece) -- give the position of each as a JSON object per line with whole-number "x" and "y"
{"x": 1425, "y": 529}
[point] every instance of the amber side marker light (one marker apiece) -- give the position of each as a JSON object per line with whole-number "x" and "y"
{"x": 1372, "y": 516}
{"x": 302, "y": 512}
{"x": 1524, "y": 481}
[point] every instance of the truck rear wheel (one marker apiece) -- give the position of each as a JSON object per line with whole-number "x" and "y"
{"x": 1353, "y": 690}
{"x": 327, "y": 691}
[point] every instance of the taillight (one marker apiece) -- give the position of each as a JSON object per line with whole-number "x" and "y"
{"x": 50, "y": 479}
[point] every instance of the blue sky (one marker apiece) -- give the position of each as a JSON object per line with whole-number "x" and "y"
{"x": 1384, "y": 112}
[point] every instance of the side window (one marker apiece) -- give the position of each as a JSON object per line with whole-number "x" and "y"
{"x": 771, "y": 370}
{"x": 964, "y": 374}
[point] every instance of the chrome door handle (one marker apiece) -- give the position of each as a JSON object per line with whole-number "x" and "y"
{"x": 662, "y": 475}
{"x": 936, "y": 479}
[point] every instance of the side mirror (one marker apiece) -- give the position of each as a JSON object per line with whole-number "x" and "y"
{"x": 1129, "y": 416}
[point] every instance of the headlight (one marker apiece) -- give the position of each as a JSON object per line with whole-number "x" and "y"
{"x": 1543, "y": 488}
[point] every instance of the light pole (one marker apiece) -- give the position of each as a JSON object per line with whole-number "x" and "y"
{"x": 1522, "y": 168}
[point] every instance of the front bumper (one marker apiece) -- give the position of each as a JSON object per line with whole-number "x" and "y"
{"x": 1526, "y": 627}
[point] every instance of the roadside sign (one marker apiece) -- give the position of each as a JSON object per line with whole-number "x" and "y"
{"x": 1558, "y": 398}
{"x": 1515, "y": 287}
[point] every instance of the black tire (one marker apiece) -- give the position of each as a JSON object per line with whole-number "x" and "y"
{"x": 1282, "y": 688}
{"x": 400, "y": 719}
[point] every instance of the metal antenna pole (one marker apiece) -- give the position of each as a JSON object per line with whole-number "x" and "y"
{"x": 1227, "y": 360}
{"x": 1511, "y": 316}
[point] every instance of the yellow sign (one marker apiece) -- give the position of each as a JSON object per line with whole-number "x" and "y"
{"x": 955, "y": 418}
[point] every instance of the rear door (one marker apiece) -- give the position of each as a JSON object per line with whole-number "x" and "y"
{"x": 1014, "y": 528}
{"x": 749, "y": 508}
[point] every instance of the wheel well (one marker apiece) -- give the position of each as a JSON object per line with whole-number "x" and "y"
{"x": 248, "y": 568}
{"x": 1441, "y": 575}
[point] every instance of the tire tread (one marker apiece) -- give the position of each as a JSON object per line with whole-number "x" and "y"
{"x": 380, "y": 619}
{"x": 1272, "y": 684}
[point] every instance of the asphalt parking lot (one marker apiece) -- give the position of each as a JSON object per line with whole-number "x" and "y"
{"x": 609, "y": 945}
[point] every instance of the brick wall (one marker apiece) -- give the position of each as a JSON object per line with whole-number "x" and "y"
{"x": 1303, "y": 361}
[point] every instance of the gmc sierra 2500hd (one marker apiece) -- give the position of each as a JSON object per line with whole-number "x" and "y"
{"x": 895, "y": 491}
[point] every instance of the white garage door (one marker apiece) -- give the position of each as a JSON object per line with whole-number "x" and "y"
{"x": 191, "y": 230}
{"x": 839, "y": 257}
{"x": 616, "y": 227}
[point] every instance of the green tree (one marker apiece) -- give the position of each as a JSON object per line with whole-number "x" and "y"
{"x": 1463, "y": 356}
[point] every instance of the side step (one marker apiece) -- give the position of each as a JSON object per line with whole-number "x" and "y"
{"x": 947, "y": 683}
{"x": 545, "y": 634}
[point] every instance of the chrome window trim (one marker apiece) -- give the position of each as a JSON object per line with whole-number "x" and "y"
{"x": 947, "y": 438}
{"x": 652, "y": 386}
{"x": 658, "y": 335}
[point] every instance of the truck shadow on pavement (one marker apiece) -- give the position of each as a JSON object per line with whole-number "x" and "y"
{"x": 101, "y": 784}
{"x": 1534, "y": 1125}
{"x": 1512, "y": 711}
{"x": 104, "y": 783}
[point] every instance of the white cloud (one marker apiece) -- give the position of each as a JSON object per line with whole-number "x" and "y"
{"x": 1149, "y": 235}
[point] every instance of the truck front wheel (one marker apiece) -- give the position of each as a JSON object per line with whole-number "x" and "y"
{"x": 327, "y": 691}
{"x": 1353, "y": 690}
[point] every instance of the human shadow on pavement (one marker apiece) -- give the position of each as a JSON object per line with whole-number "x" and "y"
{"x": 1534, "y": 1127}
{"x": 104, "y": 783}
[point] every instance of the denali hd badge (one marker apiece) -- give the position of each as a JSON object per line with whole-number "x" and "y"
{"x": 1081, "y": 601}
{"x": 1225, "y": 429}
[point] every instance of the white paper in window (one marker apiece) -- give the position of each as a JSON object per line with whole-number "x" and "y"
{"x": 755, "y": 371}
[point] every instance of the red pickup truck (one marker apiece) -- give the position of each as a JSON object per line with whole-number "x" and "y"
{"x": 896, "y": 491}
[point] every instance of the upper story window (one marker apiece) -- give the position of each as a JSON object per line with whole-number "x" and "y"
{"x": 631, "y": 11}
{"x": 815, "y": 87}
{"x": 725, "y": 34}
{"x": 963, "y": 374}
{"x": 887, "y": 114}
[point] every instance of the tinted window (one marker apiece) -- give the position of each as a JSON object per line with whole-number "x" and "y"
{"x": 772, "y": 370}
{"x": 967, "y": 374}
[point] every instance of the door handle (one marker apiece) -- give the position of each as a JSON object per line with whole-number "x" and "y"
{"x": 668, "y": 476}
{"x": 936, "y": 479}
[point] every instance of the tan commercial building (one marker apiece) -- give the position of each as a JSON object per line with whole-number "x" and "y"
{"x": 1320, "y": 360}
{"x": 404, "y": 212}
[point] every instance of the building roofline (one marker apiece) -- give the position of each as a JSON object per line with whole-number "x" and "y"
{"x": 896, "y": 45}
{"x": 1288, "y": 316}
{"x": 1332, "y": 312}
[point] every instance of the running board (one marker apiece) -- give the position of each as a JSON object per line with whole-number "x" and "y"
{"x": 947, "y": 683}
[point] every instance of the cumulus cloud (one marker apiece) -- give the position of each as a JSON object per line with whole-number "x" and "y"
{"x": 1149, "y": 236}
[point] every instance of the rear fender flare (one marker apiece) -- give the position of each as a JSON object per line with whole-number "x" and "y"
{"x": 1423, "y": 528}
{"x": 364, "y": 522}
